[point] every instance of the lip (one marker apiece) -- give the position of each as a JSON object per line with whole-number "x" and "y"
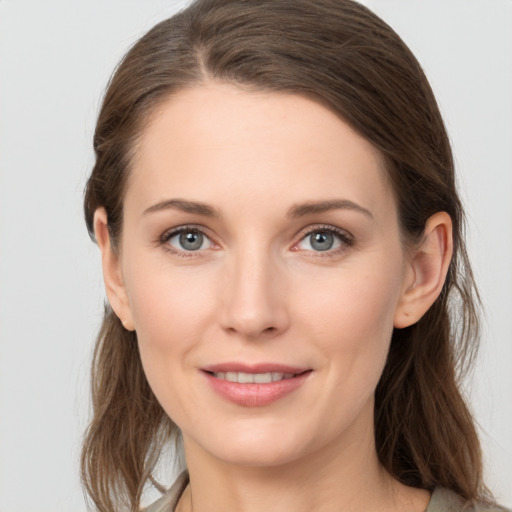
{"x": 254, "y": 368}
{"x": 252, "y": 394}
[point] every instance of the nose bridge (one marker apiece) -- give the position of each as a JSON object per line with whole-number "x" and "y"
{"x": 255, "y": 302}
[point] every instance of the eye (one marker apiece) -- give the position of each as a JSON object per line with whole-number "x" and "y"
{"x": 188, "y": 240}
{"x": 324, "y": 239}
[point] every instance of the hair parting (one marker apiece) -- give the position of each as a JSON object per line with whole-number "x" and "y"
{"x": 342, "y": 55}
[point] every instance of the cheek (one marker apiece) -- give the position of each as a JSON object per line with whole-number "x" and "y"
{"x": 352, "y": 302}
{"x": 169, "y": 307}
{"x": 352, "y": 317}
{"x": 173, "y": 312}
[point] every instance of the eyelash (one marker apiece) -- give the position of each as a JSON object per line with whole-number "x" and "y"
{"x": 346, "y": 240}
{"x": 343, "y": 236}
{"x": 166, "y": 236}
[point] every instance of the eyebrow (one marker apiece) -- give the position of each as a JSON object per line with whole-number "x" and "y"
{"x": 186, "y": 206}
{"x": 301, "y": 210}
{"x": 298, "y": 210}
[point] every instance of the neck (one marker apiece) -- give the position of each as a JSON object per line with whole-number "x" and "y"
{"x": 347, "y": 477}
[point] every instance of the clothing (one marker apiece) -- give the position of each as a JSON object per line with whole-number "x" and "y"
{"x": 442, "y": 500}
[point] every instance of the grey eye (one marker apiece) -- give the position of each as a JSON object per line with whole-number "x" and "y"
{"x": 189, "y": 240}
{"x": 321, "y": 240}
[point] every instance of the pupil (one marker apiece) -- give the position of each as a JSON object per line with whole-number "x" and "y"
{"x": 322, "y": 241}
{"x": 191, "y": 240}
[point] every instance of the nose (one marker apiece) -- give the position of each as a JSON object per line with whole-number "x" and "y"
{"x": 255, "y": 297}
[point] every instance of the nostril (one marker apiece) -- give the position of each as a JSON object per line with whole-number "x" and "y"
{"x": 267, "y": 332}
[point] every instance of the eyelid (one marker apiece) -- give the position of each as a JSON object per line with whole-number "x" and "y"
{"x": 346, "y": 238}
{"x": 172, "y": 232}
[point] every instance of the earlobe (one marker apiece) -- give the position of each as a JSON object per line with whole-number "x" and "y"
{"x": 428, "y": 267}
{"x": 112, "y": 275}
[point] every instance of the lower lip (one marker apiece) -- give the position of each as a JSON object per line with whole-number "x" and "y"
{"x": 256, "y": 395}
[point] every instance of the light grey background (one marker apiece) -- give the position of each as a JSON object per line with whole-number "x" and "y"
{"x": 55, "y": 59}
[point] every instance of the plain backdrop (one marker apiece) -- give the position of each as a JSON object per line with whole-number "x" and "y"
{"x": 55, "y": 59}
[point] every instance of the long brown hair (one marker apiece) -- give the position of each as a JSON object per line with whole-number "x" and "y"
{"x": 341, "y": 54}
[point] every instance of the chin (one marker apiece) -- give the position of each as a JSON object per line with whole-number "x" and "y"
{"x": 255, "y": 447}
{"x": 258, "y": 457}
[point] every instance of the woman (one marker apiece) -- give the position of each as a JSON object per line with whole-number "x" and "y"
{"x": 281, "y": 239}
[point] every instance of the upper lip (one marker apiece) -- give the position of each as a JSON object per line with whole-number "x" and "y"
{"x": 254, "y": 368}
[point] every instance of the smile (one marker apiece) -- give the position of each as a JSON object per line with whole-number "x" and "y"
{"x": 253, "y": 378}
{"x": 255, "y": 385}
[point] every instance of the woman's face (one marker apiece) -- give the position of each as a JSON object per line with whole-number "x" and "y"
{"x": 263, "y": 271}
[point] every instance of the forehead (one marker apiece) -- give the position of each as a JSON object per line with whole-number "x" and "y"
{"x": 219, "y": 142}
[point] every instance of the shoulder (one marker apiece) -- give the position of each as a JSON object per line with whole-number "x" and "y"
{"x": 444, "y": 500}
{"x": 168, "y": 502}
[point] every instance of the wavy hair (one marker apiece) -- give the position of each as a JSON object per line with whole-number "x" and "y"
{"x": 343, "y": 56}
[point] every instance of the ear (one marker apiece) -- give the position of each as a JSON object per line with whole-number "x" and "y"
{"x": 112, "y": 275}
{"x": 428, "y": 266}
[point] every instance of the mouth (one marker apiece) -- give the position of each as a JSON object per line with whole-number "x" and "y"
{"x": 255, "y": 385}
{"x": 253, "y": 378}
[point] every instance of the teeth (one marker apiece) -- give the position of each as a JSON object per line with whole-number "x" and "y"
{"x": 250, "y": 378}
{"x": 232, "y": 376}
{"x": 263, "y": 378}
{"x": 245, "y": 378}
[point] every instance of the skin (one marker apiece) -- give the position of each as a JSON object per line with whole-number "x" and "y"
{"x": 258, "y": 291}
